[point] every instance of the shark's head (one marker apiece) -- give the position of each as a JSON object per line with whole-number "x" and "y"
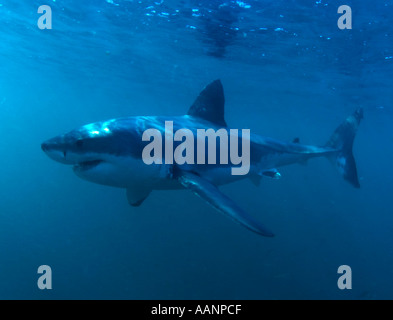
{"x": 97, "y": 151}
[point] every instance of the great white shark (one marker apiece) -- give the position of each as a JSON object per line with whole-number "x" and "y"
{"x": 110, "y": 153}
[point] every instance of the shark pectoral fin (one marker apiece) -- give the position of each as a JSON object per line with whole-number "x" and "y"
{"x": 256, "y": 179}
{"x": 136, "y": 195}
{"x": 220, "y": 202}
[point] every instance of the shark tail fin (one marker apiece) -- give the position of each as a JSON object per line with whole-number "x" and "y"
{"x": 342, "y": 140}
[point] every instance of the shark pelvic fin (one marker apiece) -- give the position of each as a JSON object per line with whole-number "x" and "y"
{"x": 272, "y": 173}
{"x": 210, "y": 104}
{"x": 136, "y": 195}
{"x": 208, "y": 192}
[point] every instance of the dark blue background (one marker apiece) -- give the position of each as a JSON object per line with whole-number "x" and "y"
{"x": 287, "y": 71}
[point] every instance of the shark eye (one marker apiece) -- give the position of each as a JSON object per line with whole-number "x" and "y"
{"x": 79, "y": 143}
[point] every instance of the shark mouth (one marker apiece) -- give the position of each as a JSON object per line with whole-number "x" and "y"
{"x": 87, "y": 165}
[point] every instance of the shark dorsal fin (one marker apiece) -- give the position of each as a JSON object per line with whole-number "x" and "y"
{"x": 210, "y": 104}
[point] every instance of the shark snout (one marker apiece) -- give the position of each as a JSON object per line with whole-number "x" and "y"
{"x": 56, "y": 150}
{"x": 45, "y": 146}
{"x": 49, "y": 146}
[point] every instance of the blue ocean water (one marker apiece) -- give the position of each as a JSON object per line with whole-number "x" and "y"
{"x": 288, "y": 71}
